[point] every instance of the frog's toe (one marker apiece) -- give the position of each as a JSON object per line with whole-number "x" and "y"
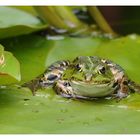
{"x": 120, "y": 95}
{"x": 65, "y": 95}
{"x": 64, "y": 89}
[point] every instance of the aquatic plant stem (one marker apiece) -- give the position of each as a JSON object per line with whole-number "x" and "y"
{"x": 100, "y": 20}
{"x": 60, "y": 17}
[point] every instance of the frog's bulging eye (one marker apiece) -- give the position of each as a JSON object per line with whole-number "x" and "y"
{"x": 78, "y": 67}
{"x": 52, "y": 77}
{"x": 102, "y": 70}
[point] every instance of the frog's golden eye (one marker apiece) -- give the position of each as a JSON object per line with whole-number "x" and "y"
{"x": 102, "y": 70}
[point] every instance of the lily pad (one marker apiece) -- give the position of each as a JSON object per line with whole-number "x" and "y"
{"x": 9, "y": 68}
{"x": 48, "y": 113}
{"x": 35, "y": 53}
{"x": 15, "y": 22}
{"x": 70, "y": 48}
{"x": 32, "y": 52}
{"x": 125, "y": 51}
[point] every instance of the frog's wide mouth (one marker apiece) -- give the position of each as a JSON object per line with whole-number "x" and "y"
{"x": 93, "y": 89}
{"x": 94, "y": 83}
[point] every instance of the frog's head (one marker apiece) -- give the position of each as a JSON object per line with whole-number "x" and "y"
{"x": 90, "y": 77}
{"x": 91, "y": 70}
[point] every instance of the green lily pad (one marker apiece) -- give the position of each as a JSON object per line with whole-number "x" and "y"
{"x": 125, "y": 51}
{"x": 48, "y": 113}
{"x": 9, "y": 68}
{"x": 69, "y": 48}
{"x": 15, "y": 22}
{"x": 35, "y": 53}
{"x": 32, "y": 52}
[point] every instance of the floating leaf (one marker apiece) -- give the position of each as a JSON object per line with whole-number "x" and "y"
{"x": 32, "y": 52}
{"x": 35, "y": 53}
{"x": 15, "y": 22}
{"x": 69, "y": 48}
{"x": 50, "y": 113}
{"x": 9, "y": 68}
{"x": 125, "y": 51}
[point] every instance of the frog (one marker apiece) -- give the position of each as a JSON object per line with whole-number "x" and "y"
{"x": 86, "y": 77}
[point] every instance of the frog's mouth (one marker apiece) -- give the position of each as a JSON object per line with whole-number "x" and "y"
{"x": 94, "y": 83}
{"x": 93, "y": 89}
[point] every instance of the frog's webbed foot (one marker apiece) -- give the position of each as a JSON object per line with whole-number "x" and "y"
{"x": 33, "y": 85}
{"x": 123, "y": 89}
{"x": 64, "y": 88}
{"x": 120, "y": 95}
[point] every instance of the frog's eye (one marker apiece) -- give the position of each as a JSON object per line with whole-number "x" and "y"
{"x": 78, "y": 67}
{"x": 52, "y": 77}
{"x": 102, "y": 70}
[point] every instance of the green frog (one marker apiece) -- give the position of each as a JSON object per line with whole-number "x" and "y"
{"x": 86, "y": 77}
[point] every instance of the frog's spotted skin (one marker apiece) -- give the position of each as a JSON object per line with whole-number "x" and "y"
{"x": 54, "y": 73}
{"x": 87, "y": 77}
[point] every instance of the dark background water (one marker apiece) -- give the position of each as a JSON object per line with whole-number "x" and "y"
{"x": 123, "y": 19}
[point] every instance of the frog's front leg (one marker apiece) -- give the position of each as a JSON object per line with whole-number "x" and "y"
{"x": 123, "y": 88}
{"x": 50, "y": 76}
{"x": 53, "y": 73}
{"x": 64, "y": 88}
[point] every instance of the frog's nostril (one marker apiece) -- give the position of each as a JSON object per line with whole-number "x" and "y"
{"x": 88, "y": 77}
